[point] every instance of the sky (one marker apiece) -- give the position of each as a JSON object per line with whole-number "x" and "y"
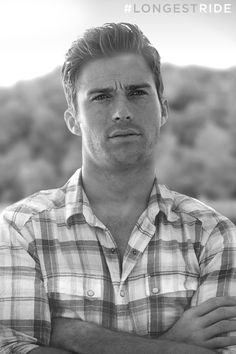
{"x": 35, "y": 34}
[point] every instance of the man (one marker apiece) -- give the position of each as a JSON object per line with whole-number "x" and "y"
{"x": 113, "y": 262}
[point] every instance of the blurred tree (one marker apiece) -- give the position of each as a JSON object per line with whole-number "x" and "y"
{"x": 10, "y": 187}
{"x": 48, "y": 136}
{"x": 214, "y": 148}
{"x": 196, "y": 153}
{"x": 73, "y": 158}
{"x": 182, "y": 87}
{"x": 15, "y": 123}
{"x": 186, "y": 125}
{"x": 35, "y": 175}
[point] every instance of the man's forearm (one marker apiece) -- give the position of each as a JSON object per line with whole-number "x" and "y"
{"x": 87, "y": 338}
{"x": 48, "y": 350}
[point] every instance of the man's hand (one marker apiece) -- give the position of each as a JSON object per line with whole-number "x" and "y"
{"x": 207, "y": 324}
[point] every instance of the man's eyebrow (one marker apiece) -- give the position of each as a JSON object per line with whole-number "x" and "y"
{"x": 137, "y": 86}
{"x": 131, "y": 87}
{"x": 100, "y": 90}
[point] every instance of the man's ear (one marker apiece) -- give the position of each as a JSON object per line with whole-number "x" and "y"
{"x": 164, "y": 111}
{"x": 72, "y": 123}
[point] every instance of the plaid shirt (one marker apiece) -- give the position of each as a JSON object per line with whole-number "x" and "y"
{"x": 58, "y": 260}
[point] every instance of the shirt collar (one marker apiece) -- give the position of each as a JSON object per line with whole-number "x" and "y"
{"x": 161, "y": 199}
{"x": 73, "y": 196}
{"x": 77, "y": 204}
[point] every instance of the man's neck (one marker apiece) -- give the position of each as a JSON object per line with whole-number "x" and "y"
{"x": 118, "y": 187}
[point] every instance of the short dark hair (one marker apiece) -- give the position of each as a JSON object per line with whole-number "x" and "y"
{"x": 106, "y": 41}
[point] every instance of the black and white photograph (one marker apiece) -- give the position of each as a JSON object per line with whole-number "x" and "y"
{"x": 117, "y": 177}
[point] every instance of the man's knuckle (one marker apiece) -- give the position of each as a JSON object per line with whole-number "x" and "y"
{"x": 222, "y": 312}
{"x": 220, "y": 300}
{"x": 231, "y": 340}
{"x": 221, "y": 326}
{"x": 215, "y": 301}
{"x": 190, "y": 312}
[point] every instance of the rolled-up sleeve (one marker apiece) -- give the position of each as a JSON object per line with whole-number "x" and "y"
{"x": 24, "y": 309}
{"x": 218, "y": 267}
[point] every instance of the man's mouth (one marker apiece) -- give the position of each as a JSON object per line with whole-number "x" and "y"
{"x": 124, "y": 133}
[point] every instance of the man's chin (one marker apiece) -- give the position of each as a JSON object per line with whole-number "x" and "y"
{"x": 128, "y": 161}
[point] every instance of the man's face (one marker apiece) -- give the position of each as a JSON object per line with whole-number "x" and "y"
{"x": 119, "y": 113}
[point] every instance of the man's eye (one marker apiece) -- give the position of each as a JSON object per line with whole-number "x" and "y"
{"x": 137, "y": 93}
{"x": 101, "y": 97}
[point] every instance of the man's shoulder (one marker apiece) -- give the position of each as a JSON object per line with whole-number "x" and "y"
{"x": 51, "y": 202}
{"x": 46, "y": 201}
{"x": 189, "y": 208}
{"x": 186, "y": 204}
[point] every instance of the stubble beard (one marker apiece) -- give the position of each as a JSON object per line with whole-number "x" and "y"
{"x": 123, "y": 158}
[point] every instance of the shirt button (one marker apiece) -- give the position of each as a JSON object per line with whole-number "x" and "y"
{"x": 90, "y": 293}
{"x": 134, "y": 252}
{"x": 122, "y": 293}
{"x": 113, "y": 250}
{"x": 155, "y": 290}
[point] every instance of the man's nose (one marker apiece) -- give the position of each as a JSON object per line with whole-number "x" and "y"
{"x": 122, "y": 111}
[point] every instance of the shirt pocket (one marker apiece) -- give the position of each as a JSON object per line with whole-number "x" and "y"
{"x": 169, "y": 295}
{"x": 76, "y": 297}
{"x": 171, "y": 284}
{"x": 78, "y": 286}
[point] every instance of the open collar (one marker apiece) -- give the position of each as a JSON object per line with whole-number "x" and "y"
{"x": 77, "y": 204}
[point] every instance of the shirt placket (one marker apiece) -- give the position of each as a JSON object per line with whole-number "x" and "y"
{"x": 126, "y": 317}
{"x": 138, "y": 243}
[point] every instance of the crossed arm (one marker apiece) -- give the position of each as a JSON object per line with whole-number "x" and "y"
{"x": 201, "y": 330}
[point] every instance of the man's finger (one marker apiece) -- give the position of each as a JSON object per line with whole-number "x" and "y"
{"x": 219, "y": 328}
{"x": 214, "y": 303}
{"x": 221, "y": 313}
{"x": 221, "y": 342}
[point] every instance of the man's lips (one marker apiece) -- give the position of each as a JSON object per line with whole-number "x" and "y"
{"x": 124, "y": 133}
